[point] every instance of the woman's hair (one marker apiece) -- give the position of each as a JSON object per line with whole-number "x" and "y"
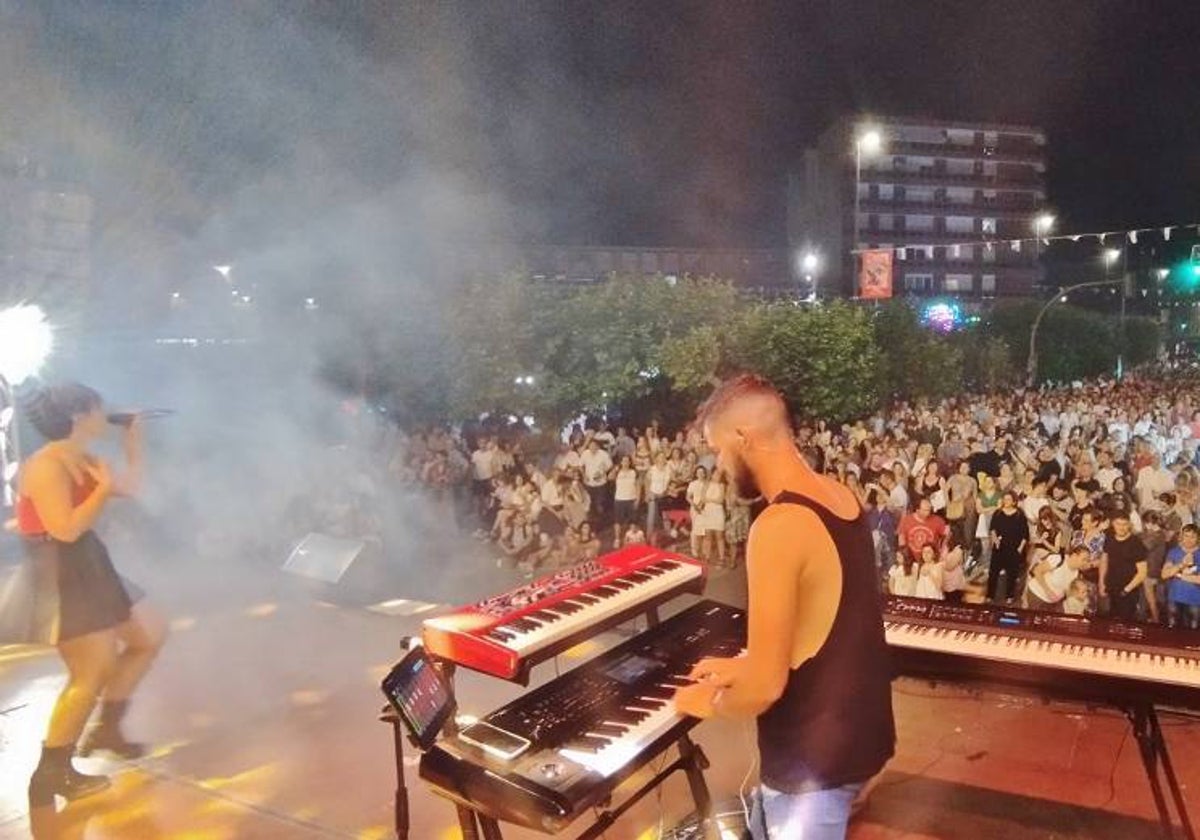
{"x": 52, "y": 409}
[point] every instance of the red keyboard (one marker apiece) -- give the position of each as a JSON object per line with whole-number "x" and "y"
{"x": 506, "y": 634}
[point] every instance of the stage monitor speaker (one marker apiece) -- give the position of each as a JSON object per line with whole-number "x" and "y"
{"x": 322, "y": 557}
{"x": 340, "y": 569}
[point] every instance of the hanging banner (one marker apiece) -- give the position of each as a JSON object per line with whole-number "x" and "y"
{"x": 875, "y": 278}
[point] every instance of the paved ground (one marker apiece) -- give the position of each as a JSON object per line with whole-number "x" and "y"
{"x": 264, "y": 708}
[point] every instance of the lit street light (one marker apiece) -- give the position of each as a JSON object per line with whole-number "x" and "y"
{"x": 809, "y": 263}
{"x": 867, "y": 142}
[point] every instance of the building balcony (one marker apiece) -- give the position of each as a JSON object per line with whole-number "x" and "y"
{"x": 927, "y": 175}
{"x": 949, "y": 237}
{"x": 998, "y": 153}
{"x": 945, "y": 207}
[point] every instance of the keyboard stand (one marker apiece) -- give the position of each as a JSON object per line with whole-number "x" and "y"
{"x": 476, "y": 825}
{"x": 691, "y": 761}
{"x": 1153, "y": 747}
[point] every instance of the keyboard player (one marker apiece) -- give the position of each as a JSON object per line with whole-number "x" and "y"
{"x": 816, "y": 673}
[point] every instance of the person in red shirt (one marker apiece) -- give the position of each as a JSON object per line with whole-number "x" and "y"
{"x": 106, "y": 634}
{"x": 918, "y": 529}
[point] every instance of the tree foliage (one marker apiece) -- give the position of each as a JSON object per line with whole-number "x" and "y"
{"x": 649, "y": 347}
{"x": 914, "y": 361}
{"x": 585, "y": 347}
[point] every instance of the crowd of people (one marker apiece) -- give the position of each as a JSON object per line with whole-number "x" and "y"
{"x": 600, "y": 490}
{"x": 1080, "y": 499}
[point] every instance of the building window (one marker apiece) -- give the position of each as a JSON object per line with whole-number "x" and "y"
{"x": 988, "y": 226}
{"x": 958, "y": 283}
{"x": 987, "y": 284}
{"x": 989, "y": 254}
{"x": 918, "y": 282}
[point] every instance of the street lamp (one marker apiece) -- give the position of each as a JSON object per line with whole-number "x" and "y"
{"x": 1042, "y": 223}
{"x": 1060, "y": 297}
{"x": 868, "y": 142}
{"x": 809, "y": 263}
{"x": 1111, "y": 255}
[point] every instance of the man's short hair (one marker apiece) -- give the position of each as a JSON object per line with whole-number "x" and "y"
{"x": 1190, "y": 529}
{"x": 735, "y": 388}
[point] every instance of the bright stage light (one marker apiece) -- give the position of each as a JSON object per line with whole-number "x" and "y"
{"x": 942, "y": 316}
{"x": 25, "y": 342}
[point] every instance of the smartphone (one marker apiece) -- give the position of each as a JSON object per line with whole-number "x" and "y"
{"x": 494, "y": 741}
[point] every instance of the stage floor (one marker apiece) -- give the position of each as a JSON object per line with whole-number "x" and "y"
{"x": 264, "y": 709}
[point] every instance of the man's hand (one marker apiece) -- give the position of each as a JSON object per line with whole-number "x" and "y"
{"x": 719, "y": 673}
{"x": 696, "y": 700}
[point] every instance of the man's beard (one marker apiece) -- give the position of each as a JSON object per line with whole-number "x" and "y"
{"x": 743, "y": 479}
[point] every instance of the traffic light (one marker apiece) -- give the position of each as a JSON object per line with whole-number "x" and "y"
{"x": 1185, "y": 277}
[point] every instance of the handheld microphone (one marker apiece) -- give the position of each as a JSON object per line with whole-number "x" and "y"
{"x": 126, "y": 418}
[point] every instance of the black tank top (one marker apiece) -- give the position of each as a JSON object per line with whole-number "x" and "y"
{"x": 833, "y": 724}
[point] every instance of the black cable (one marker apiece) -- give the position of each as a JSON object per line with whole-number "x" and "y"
{"x": 1112, "y": 775}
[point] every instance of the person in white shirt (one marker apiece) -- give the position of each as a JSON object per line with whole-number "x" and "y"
{"x": 625, "y": 495}
{"x": 1107, "y": 473}
{"x": 1152, "y": 481}
{"x": 634, "y": 535}
{"x": 901, "y": 579}
{"x": 697, "y": 492}
{"x": 596, "y": 465}
{"x": 483, "y": 470}
{"x": 658, "y": 479}
{"x": 1037, "y": 499}
{"x": 551, "y": 491}
{"x": 567, "y": 459}
{"x": 1051, "y": 577}
{"x": 930, "y": 575}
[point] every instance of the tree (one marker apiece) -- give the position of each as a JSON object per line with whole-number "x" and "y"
{"x": 987, "y": 360}
{"x": 823, "y": 360}
{"x": 585, "y": 347}
{"x": 1072, "y": 343}
{"x": 915, "y": 362}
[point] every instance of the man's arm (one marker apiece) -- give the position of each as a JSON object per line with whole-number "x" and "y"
{"x": 776, "y": 570}
{"x": 1142, "y": 570}
{"x": 1103, "y": 573}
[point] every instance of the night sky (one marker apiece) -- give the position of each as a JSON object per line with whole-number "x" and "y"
{"x": 616, "y": 123}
